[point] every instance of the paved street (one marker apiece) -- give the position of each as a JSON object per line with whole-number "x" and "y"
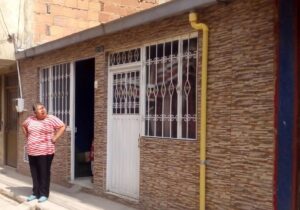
{"x": 7, "y": 203}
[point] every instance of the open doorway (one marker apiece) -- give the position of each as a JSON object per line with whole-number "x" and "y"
{"x": 297, "y": 143}
{"x": 84, "y": 118}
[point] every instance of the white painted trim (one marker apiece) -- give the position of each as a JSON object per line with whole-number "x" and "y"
{"x": 142, "y": 91}
{"x": 174, "y": 38}
{"x": 124, "y": 67}
{"x": 72, "y": 118}
{"x": 109, "y": 114}
{"x": 180, "y": 86}
{"x": 50, "y": 94}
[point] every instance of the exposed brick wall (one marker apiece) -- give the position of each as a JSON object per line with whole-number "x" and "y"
{"x": 57, "y": 18}
{"x": 240, "y": 131}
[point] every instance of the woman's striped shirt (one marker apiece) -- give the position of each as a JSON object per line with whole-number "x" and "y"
{"x": 40, "y": 133}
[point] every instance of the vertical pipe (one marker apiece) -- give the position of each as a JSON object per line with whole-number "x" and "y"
{"x": 204, "y": 28}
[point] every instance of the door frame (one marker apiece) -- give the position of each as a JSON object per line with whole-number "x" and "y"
{"x": 72, "y": 127}
{"x": 72, "y": 119}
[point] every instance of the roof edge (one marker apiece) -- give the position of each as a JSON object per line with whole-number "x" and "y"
{"x": 143, "y": 17}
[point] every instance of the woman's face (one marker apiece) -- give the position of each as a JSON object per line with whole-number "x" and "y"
{"x": 41, "y": 112}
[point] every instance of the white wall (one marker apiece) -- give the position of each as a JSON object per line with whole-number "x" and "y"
{"x": 15, "y": 20}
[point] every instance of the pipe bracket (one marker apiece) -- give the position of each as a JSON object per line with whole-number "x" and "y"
{"x": 203, "y": 162}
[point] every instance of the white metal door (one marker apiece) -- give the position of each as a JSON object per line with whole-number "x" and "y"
{"x": 123, "y": 132}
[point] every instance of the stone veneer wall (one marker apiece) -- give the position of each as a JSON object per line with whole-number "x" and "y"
{"x": 240, "y": 117}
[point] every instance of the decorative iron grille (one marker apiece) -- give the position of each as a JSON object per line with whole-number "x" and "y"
{"x": 171, "y": 89}
{"x": 125, "y": 57}
{"x": 126, "y": 91}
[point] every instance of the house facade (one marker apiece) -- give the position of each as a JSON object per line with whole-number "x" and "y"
{"x": 28, "y": 23}
{"x": 133, "y": 88}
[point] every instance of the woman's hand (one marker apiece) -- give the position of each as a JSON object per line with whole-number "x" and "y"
{"x": 59, "y": 132}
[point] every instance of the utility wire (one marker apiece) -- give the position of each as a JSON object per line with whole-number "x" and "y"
{"x": 4, "y": 22}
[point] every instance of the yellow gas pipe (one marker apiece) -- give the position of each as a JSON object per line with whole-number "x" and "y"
{"x": 204, "y": 28}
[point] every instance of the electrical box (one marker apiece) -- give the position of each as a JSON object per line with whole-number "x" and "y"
{"x": 20, "y": 104}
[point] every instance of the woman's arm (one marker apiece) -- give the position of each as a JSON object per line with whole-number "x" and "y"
{"x": 58, "y": 133}
{"x": 24, "y": 129}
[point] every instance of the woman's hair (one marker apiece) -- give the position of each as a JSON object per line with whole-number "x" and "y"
{"x": 35, "y": 105}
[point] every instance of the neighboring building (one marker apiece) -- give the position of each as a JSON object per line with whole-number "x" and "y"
{"x": 133, "y": 87}
{"x": 27, "y": 23}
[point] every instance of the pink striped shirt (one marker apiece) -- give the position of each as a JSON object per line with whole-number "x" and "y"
{"x": 40, "y": 133}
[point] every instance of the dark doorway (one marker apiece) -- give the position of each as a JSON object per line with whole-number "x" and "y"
{"x": 84, "y": 115}
{"x": 297, "y": 37}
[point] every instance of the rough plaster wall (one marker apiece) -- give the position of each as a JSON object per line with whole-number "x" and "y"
{"x": 18, "y": 19}
{"x": 26, "y": 38}
{"x": 8, "y": 25}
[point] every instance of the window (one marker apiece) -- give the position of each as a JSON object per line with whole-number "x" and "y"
{"x": 55, "y": 90}
{"x": 171, "y": 89}
{"x": 126, "y": 92}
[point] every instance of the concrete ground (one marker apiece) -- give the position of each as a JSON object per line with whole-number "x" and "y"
{"x": 17, "y": 187}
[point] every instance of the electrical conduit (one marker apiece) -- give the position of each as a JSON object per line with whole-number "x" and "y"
{"x": 204, "y": 28}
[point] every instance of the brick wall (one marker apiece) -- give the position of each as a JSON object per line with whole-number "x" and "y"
{"x": 58, "y": 18}
{"x": 240, "y": 131}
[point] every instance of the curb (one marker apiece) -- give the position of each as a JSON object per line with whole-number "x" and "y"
{"x": 21, "y": 200}
{"x": 23, "y": 205}
{"x": 12, "y": 196}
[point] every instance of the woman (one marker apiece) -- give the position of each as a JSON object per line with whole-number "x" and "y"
{"x": 42, "y": 132}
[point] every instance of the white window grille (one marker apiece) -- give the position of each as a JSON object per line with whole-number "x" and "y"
{"x": 55, "y": 90}
{"x": 126, "y": 91}
{"x": 125, "y": 57}
{"x": 170, "y": 109}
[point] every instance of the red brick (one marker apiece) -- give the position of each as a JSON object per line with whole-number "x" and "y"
{"x": 93, "y": 16}
{"x": 57, "y": 31}
{"x": 40, "y": 8}
{"x": 57, "y": 10}
{"x": 93, "y": 24}
{"x": 70, "y": 12}
{"x": 82, "y": 14}
{"x": 58, "y": 2}
{"x": 64, "y": 21}
{"x": 83, "y": 4}
{"x": 106, "y": 17}
{"x": 94, "y": 6}
{"x": 71, "y": 3}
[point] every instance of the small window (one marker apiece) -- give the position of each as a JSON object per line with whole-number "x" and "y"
{"x": 171, "y": 89}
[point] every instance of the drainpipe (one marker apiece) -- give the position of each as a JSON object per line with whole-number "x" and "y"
{"x": 204, "y": 28}
{"x": 18, "y": 66}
